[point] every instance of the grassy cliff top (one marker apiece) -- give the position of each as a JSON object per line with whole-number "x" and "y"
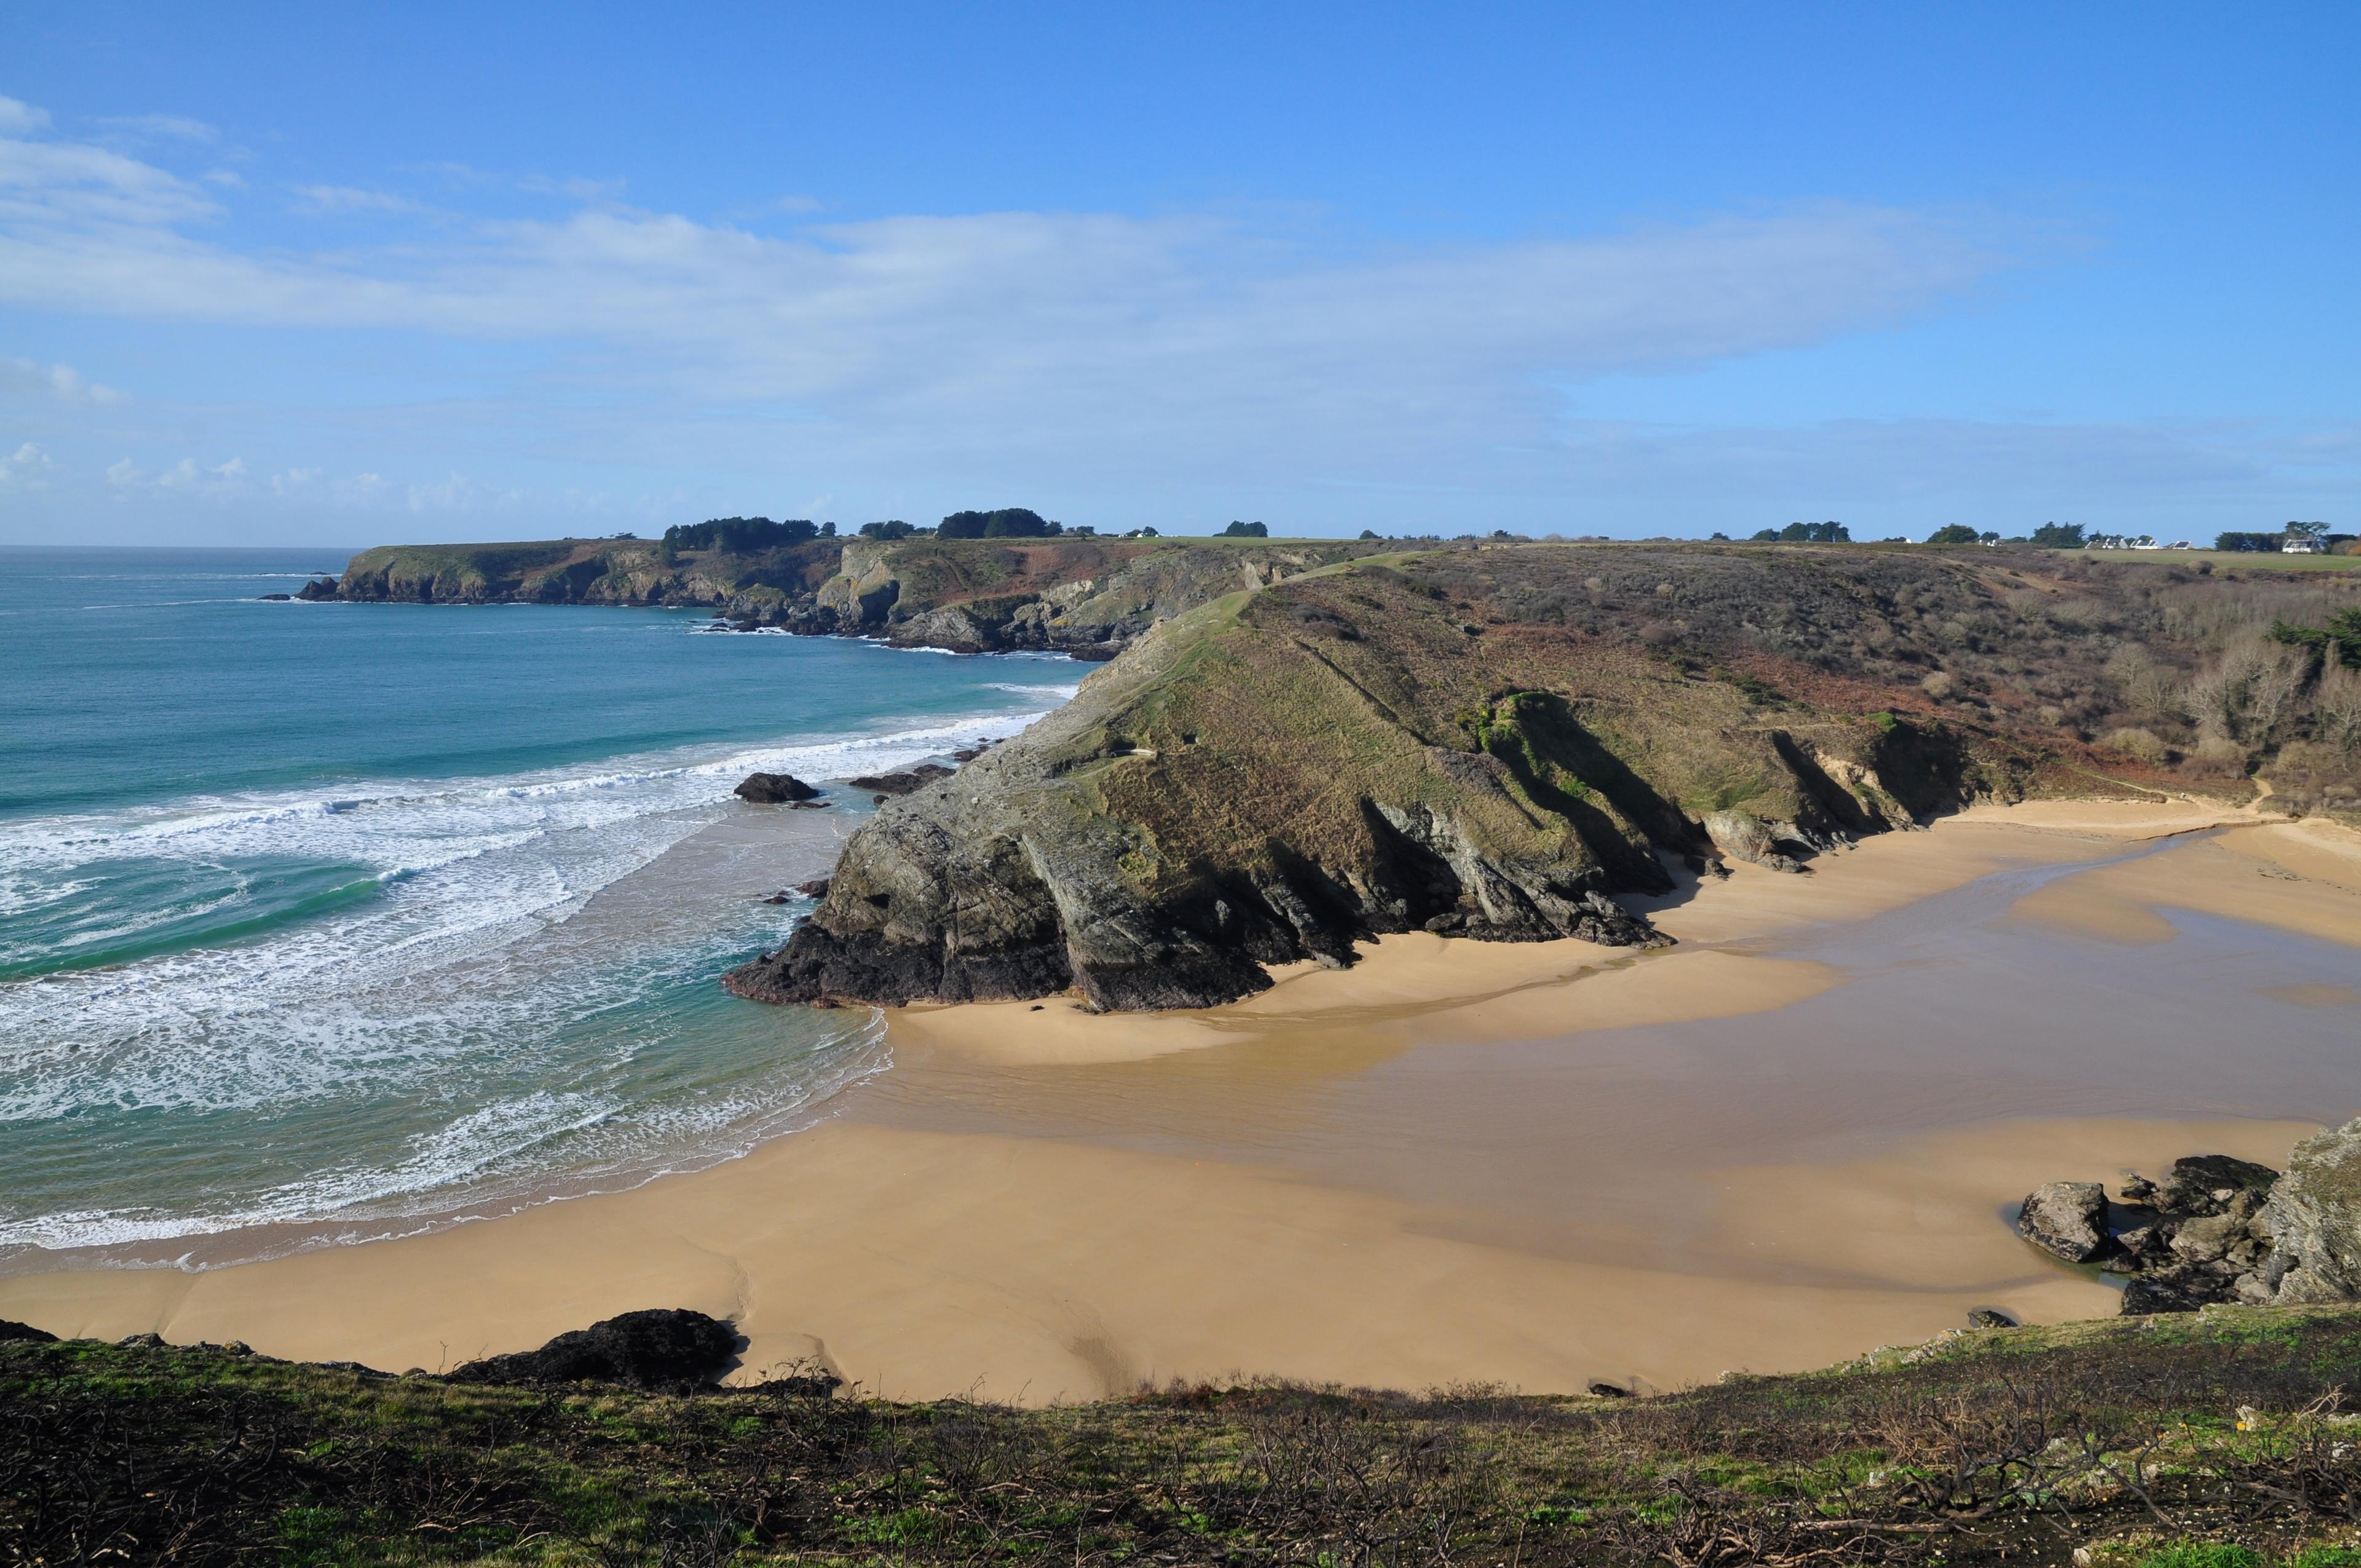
{"x": 2211, "y": 1440}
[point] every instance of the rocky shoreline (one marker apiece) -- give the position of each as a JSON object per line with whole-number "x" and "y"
{"x": 1083, "y": 596}
{"x": 2216, "y": 1229}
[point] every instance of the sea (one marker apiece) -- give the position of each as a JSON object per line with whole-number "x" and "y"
{"x": 327, "y": 922}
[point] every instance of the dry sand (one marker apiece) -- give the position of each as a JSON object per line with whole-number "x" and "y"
{"x": 1432, "y": 1167}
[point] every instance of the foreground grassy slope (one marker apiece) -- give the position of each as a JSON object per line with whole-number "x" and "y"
{"x": 2126, "y": 1439}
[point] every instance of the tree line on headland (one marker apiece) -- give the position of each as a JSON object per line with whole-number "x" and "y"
{"x": 751, "y": 535}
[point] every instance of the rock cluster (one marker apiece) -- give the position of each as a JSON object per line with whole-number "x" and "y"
{"x": 2217, "y": 1228}
{"x": 670, "y": 1350}
{"x": 903, "y": 780}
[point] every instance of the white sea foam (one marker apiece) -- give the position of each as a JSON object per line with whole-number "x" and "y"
{"x": 452, "y": 1025}
{"x": 1062, "y": 690}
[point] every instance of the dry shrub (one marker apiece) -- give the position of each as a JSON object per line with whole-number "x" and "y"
{"x": 2149, "y": 690}
{"x": 1940, "y": 685}
{"x": 2336, "y": 710}
{"x": 2247, "y": 693}
{"x": 2135, "y": 742}
{"x": 2079, "y": 615}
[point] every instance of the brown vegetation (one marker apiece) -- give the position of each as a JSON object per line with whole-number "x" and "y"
{"x": 2015, "y": 1445}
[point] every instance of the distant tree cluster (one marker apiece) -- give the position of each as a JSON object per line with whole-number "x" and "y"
{"x": 893, "y": 529}
{"x": 1246, "y": 531}
{"x": 2237, "y": 542}
{"x": 1008, "y": 522}
{"x": 1952, "y": 533}
{"x": 1806, "y": 534}
{"x": 2339, "y": 640}
{"x": 739, "y": 535}
{"x": 2060, "y": 536}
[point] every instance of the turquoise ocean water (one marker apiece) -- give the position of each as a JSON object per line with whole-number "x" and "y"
{"x": 320, "y": 920}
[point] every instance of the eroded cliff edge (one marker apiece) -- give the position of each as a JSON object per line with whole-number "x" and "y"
{"x": 1078, "y": 594}
{"x": 1489, "y": 744}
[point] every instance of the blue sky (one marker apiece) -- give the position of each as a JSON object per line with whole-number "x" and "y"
{"x": 281, "y": 273}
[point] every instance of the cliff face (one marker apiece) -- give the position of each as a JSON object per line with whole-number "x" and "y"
{"x": 1083, "y": 596}
{"x": 1087, "y": 597}
{"x": 580, "y": 571}
{"x": 1423, "y": 742}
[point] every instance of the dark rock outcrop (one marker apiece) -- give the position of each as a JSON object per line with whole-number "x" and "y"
{"x": 15, "y": 1333}
{"x": 775, "y": 789}
{"x": 2206, "y": 1233}
{"x": 317, "y": 589}
{"x": 670, "y": 1350}
{"x": 902, "y": 781}
{"x": 2202, "y": 1184}
{"x": 2066, "y": 1220}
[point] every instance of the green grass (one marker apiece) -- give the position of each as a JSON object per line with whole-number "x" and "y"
{"x": 2203, "y": 1554}
{"x": 2229, "y": 560}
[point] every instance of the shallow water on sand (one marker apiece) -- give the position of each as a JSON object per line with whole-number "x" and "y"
{"x": 322, "y": 917}
{"x": 1636, "y": 1146}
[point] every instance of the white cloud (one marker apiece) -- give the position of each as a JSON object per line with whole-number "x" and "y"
{"x": 1065, "y": 336}
{"x": 59, "y": 381}
{"x": 1091, "y": 354}
{"x": 456, "y": 492}
{"x": 80, "y": 200}
{"x": 18, "y": 117}
{"x": 187, "y": 477}
{"x": 26, "y": 469}
{"x": 347, "y": 199}
{"x": 177, "y": 126}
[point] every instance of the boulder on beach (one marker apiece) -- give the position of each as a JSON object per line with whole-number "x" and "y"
{"x": 2066, "y": 1220}
{"x": 668, "y": 1349}
{"x": 902, "y": 781}
{"x": 773, "y": 789}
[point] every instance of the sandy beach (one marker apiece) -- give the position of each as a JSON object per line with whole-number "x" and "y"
{"x": 1532, "y": 1164}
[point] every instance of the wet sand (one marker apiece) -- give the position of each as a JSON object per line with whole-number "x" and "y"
{"x": 1789, "y": 1139}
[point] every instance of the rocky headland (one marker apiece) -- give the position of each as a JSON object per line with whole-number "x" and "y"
{"x": 1306, "y": 744}
{"x": 1080, "y": 595}
{"x": 1480, "y": 742}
